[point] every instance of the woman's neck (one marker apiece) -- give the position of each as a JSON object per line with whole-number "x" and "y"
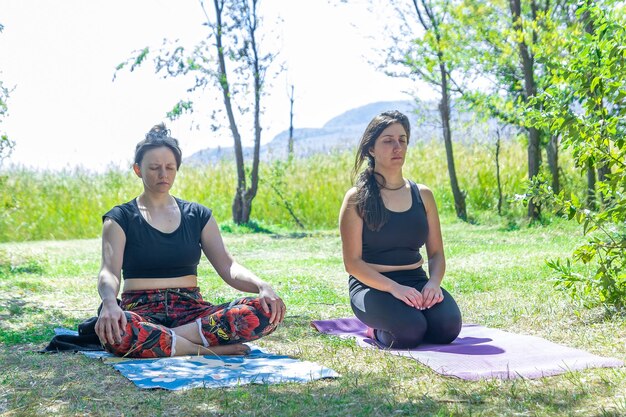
{"x": 159, "y": 200}
{"x": 392, "y": 178}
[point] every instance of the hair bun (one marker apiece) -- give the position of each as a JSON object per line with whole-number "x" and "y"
{"x": 157, "y": 137}
{"x": 158, "y": 132}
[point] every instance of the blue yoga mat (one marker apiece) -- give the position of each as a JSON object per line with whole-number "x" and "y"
{"x": 185, "y": 372}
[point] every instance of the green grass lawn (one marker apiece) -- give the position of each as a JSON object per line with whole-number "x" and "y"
{"x": 498, "y": 277}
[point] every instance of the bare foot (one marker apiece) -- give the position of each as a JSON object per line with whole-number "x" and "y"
{"x": 184, "y": 347}
{"x": 237, "y": 349}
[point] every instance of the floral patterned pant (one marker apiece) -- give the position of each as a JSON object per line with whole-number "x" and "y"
{"x": 151, "y": 314}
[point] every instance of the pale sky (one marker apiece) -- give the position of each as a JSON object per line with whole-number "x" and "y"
{"x": 66, "y": 111}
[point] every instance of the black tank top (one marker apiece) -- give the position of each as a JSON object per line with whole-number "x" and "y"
{"x": 399, "y": 240}
{"x": 150, "y": 253}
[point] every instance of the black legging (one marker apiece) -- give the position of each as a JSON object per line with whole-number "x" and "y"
{"x": 398, "y": 325}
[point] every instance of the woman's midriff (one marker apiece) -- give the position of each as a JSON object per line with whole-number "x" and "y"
{"x": 391, "y": 268}
{"x": 138, "y": 284}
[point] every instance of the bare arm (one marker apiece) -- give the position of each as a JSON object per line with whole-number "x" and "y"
{"x": 351, "y": 229}
{"x": 111, "y": 320}
{"x": 236, "y": 275}
{"x": 434, "y": 250}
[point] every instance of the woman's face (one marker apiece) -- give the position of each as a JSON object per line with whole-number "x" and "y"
{"x": 157, "y": 170}
{"x": 390, "y": 147}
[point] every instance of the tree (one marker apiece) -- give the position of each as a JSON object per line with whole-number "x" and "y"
{"x": 231, "y": 59}
{"x": 5, "y": 143}
{"x": 585, "y": 103}
{"x": 429, "y": 57}
{"x": 501, "y": 40}
{"x": 290, "y": 143}
{"x": 603, "y": 170}
{"x": 6, "y": 146}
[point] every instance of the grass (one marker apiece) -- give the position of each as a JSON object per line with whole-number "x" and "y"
{"x": 69, "y": 205}
{"x": 497, "y": 275}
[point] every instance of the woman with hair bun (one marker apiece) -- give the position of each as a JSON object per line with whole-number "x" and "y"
{"x": 384, "y": 221}
{"x": 155, "y": 243}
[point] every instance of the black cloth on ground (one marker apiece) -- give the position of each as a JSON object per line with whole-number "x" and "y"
{"x": 87, "y": 339}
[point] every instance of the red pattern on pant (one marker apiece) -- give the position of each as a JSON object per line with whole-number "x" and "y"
{"x": 151, "y": 314}
{"x": 242, "y": 320}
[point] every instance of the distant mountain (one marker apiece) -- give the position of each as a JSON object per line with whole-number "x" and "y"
{"x": 344, "y": 132}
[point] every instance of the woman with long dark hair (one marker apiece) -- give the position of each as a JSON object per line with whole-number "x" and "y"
{"x": 384, "y": 221}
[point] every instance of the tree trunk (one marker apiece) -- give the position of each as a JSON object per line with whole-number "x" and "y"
{"x": 591, "y": 186}
{"x": 290, "y": 145}
{"x": 254, "y": 174}
{"x": 530, "y": 89}
{"x": 237, "y": 207}
{"x": 242, "y": 207}
{"x": 553, "y": 162}
{"x": 444, "y": 110}
{"x": 498, "y": 172}
{"x": 603, "y": 171}
{"x": 534, "y": 160}
{"x": 225, "y": 87}
{"x": 430, "y": 21}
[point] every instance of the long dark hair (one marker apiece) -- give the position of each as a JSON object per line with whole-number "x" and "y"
{"x": 157, "y": 137}
{"x": 369, "y": 203}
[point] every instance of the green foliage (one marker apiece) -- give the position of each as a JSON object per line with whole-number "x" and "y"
{"x": 586, "y": 105}
{"x": 180, "y": 108}
{"x": 276, "y": 181}
{"x": 135, "y": 61}
{"x": 437, "y": 45}
{"x": 491, "y": 51}
{"x": 7, "y": 201}
{"x": 70, "y": 204}
{"x": 63, "y": 205}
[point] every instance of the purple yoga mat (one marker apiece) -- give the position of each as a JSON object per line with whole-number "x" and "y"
{"x": 482, "y": 352}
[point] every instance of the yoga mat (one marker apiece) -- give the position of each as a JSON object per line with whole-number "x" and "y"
{"x": 482, "y": 352}
{"x": 185, "y": 372}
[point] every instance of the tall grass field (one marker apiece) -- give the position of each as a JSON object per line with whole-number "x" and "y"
{"x": 496, "y": 270}
{"x": 69, "y": 204}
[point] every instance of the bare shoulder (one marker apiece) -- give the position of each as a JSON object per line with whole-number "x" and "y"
{"x": 109, "y": 226}
{"x": 350, "y": 197}
{"x": 211, "y": 230}
{"x": 427, "y": 195}
{"x": 348, "y": 209}
{"x": 351, "y": 193}
{"x": 424, "y": 190}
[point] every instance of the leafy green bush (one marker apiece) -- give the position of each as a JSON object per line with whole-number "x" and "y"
{"x": 586, "y": 105}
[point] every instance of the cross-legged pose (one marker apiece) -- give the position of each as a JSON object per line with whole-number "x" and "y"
{"x": 384, "y": 221}
{"x": 155, "y": 242}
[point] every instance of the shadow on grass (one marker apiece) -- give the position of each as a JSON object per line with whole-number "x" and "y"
{"x": 244, "y": 228}
{"x": 73, "y": 384}
{"x": 25, "y": 322}
{"x": 33, "y": 384}
{"x": 255, "y": 227}
{"x": 13, "y": 306}
{"x": 10, "y": 267}
{"x": 67, "y": 384}
{"x": 292, "y": 235}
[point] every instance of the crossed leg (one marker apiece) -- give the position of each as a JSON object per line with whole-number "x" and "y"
{"x": 221, "y": 330}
